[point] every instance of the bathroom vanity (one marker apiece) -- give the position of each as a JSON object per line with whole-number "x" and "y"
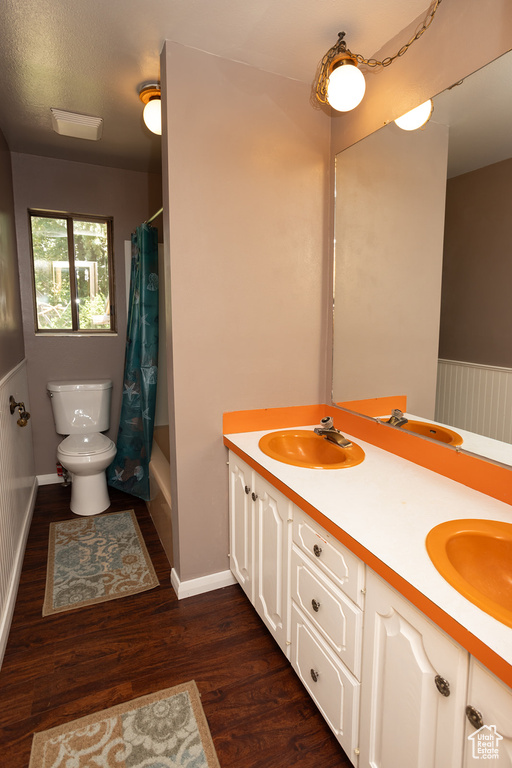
{"x": 334, "y": 562}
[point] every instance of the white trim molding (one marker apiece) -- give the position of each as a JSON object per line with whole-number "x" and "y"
{"x": 12, "y": 591}
{"x": 202, "y": 584}
{"x": 475, "y": 397}
{"x": 18, "y": 489}
{"x": 49, "y": 479}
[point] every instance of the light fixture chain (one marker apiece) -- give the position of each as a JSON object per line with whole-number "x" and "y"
{"x": 390, "y": 59}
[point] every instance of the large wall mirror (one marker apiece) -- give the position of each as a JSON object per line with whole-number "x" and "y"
{"x": 423, "y": 265}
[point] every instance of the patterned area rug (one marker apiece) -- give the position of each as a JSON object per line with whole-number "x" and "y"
{"x": 163, "y": 730}
{"x": 95, "y": 559}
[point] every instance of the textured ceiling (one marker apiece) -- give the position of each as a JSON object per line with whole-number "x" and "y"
{"x": 90, "y": 56}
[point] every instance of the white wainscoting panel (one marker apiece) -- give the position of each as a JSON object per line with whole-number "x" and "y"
{"x": 18, "y": 488}
{"x": 475, "y": 397}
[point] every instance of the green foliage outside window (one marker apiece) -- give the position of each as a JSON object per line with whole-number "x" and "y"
{"x": 72, "y": 273}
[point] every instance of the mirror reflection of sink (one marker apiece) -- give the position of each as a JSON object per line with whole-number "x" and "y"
{"x": 304, "y": 448}
{"x": 425, "y": 429}
{"x": 475, "y": 557}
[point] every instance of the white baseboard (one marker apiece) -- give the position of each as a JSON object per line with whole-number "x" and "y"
{"x": 202, "y": 584}
{"x": 49, "y": 479}
{"x": 6, "y": 618}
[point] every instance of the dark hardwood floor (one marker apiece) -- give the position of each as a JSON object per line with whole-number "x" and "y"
{"x": 68, "y": 665}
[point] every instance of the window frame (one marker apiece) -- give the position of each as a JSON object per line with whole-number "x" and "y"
{"x": 70, "y": 219}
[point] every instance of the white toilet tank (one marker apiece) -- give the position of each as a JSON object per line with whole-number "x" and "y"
{"x": 80, "y": 407}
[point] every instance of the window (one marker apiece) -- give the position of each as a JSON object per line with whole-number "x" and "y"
{"x": 73, "y": 272}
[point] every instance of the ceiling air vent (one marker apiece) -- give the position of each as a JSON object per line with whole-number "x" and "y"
{"x": 77, "y": 126}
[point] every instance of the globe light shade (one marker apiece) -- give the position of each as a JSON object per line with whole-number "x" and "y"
{"x": 416, "y": 118}
{"x": 346, "y": 87}
{"x": 152, "y": 115}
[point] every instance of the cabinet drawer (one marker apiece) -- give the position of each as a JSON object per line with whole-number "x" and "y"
{"x": 336, "y": 617}
{"x": 331, "y": 686}
{"x": 336, "y": 561}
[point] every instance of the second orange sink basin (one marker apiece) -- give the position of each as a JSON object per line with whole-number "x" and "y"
{"x": 475, "y": 557}
{"x": 304, "y": 448}
{"x": 425, "y": 429}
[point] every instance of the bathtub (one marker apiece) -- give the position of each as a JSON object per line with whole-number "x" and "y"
{"x": 160, "y": 485}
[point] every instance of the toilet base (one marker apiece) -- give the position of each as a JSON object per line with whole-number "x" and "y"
{"x": 89, "y": 494}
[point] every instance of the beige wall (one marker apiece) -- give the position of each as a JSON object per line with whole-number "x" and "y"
{"x": 476, "y": 316}
{"x": 246, "y": 187}
{"x": 130, "y": 197}
{"x": 388, "y": 266}
{"x": 11, "y": 331}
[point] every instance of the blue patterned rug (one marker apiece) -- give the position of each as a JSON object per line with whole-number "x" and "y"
{"x": 95, "y": 559}
{"x": 163, "y": 730}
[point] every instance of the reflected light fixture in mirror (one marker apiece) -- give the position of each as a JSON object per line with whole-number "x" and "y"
{"x": 417, "y": 117}
{"x": 150, "y": 95}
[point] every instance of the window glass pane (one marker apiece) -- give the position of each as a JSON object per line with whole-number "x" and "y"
{"x": 51, "y": 272}
{"x": 92, "y": 277}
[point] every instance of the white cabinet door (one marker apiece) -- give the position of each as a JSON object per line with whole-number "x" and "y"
{"x": 272, "y": 542}
{"x": 260, "y": 542}
{"x": 240, "y": 524}
{"x": 489, "y": 739}
{"x": 405, "y": 721}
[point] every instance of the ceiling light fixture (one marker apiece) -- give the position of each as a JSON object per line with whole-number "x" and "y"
{"x": 338, "y": 84}
{"x": 150, "y": 95}
{"x": 417, "y": 117}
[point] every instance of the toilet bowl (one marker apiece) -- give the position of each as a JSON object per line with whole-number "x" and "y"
{"x": 86, "y": 458}
{"x": 82, "y": 411}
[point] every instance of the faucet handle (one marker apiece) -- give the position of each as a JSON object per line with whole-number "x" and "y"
{"x": 327, "y": 422}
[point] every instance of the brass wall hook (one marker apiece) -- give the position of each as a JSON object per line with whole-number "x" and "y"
{"x": 24, "y": 415}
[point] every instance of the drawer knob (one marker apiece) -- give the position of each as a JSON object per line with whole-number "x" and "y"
{"x": 317, "y": 550}
{"x": 442, "y": 685}
{"x": 315, "y": 604}
{"x": 314, "y": 675}
{"x": 247, "y": 489}
{"x": 474, "y": 717}
{"x": 254, "y": 496}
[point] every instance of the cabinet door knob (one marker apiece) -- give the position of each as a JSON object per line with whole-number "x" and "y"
{"x": 317, "y": 550}
{"x": 314, "y": 675}
{"x": 442, "y": 685}
{"x": 474, "y": 717}
{"x": 254, "y": 496}
{"x": 247, "y": 489}
{"x": 315, "y": 604}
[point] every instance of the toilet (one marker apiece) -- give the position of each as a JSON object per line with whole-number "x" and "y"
{"x": 81, "y": 410}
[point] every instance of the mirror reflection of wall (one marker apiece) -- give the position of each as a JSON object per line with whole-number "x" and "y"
{"x": 388, "y": 262}
{"x": 390, "y": 194}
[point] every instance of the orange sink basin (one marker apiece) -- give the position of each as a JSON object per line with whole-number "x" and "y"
{"x": 475, "y": 557}
{"x": 423, "y": 428}
{"x": 304, "y": 448}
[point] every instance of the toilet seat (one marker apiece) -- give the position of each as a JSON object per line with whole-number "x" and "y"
{"x": 86, "y": 445}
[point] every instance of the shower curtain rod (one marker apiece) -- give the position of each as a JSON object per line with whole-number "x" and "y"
{"x": 154, "y": 216}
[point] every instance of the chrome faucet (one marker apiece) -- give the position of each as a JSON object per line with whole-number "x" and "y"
{"x": 397, "y": 418}
{"x": 329, "y": 431}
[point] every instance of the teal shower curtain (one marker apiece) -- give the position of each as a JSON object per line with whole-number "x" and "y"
{"x": 130, "y": 469}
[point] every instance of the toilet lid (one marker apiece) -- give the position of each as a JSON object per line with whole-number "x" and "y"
{"x": 76, "y": 445}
